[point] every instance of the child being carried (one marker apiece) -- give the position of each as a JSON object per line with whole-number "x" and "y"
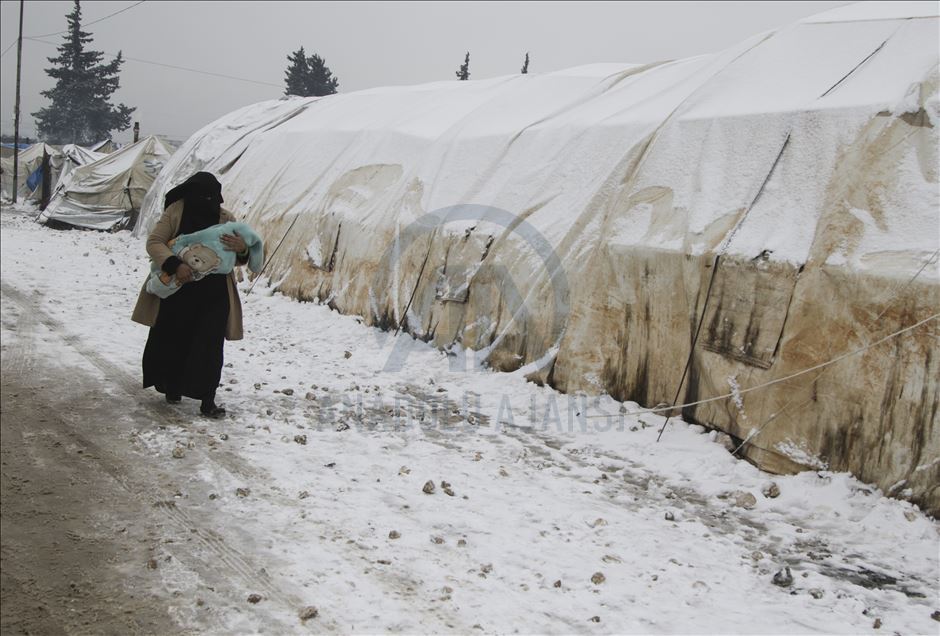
{"x": 205, "y": 254}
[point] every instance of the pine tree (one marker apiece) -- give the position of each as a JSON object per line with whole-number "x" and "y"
{"x": 525, "y": 66}
{"x": 81, "y": 111}
{"x": 320, "y": 80}
{"x": 309, "y": 76}
{"x": 464, "y": 72}
{"x": 296, "y": 75}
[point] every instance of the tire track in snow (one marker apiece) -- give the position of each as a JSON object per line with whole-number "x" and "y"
{"x": 18, "y": 350}
{"x": 237, "y": 561}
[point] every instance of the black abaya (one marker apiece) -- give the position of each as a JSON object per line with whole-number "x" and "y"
{"x": 184, "y": 351}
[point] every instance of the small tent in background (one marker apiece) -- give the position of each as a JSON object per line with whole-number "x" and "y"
{"x": 6, "y": 150}
{"x": 30, "y": 161}
{"x": 107, "y": 193}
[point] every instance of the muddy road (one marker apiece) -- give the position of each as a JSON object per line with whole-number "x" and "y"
{"x": 76, "y": 551}
{"x": 92, "y": 539}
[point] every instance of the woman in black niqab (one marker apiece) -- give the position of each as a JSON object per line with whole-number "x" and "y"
{"x": 184, "y": 351}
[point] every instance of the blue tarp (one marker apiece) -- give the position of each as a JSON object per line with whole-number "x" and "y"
{"x": 34, "y": 180}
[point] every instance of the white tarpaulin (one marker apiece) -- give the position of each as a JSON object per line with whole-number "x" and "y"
{"x": 216, "y": 148}
{"x": 30, "y": 160}
{"x": 74, "y": 156}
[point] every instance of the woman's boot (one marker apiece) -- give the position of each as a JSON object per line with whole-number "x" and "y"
{"x": 209, "y": 408}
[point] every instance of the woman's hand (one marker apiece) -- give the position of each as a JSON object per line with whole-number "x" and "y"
{"x": 234, "y": 243}
{"x": 184, "y": 274}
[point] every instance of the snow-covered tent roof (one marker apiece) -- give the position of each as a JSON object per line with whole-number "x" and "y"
{"x": 106, "y": 146}
{"x": 74, "y": 156}
{"x": 805, "y": 157}
{"x": 106, "y": 193}
{"x": 79, "y": 155}
{"x": 216, "y": 148}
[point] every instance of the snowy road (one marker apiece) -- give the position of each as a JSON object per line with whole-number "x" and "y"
{"x": 124, "y": 514}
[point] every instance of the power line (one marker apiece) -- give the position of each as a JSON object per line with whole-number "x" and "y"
{"x": 110, "y": 15}
{"x": 173, "y": 66}
{"x": 193, "y": 70}
{"x": 46, "y": 35}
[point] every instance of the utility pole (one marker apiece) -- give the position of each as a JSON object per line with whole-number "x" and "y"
{"x": 46, "y": 179}
{"x": 16, "y": 115}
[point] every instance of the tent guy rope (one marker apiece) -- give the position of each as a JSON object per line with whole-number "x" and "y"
{"x": 897, "y": 291}
{"x": 784, "y": 378}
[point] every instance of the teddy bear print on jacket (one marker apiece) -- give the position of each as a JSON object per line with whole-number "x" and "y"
{"x": 205, "y": 254}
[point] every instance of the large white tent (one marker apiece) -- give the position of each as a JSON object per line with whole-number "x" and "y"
{"x": 776, "y": 204}
{"x": 105, "y": 194}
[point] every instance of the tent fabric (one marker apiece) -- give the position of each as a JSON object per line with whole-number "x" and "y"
{"x": 74, "y": 156}
{"x": 61, "y": 161}
{"x": 215, "y": 149}
{"x": 782, "y": 193}
{"x": 30, "y": 160}
{"x": 106, "y": 193}
{"x": 104, "y": 147}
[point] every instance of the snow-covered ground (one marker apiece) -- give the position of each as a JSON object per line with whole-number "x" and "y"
{"x": 550, "y": 522}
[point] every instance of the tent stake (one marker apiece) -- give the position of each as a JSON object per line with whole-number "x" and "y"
{"x": 265, "y": 266}
{"x": 698, "y": 330}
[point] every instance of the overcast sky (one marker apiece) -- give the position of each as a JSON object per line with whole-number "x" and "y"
{"x": 365, "y": 44}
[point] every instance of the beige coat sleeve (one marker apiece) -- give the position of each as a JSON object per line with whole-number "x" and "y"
{"x": 160, "y": 236}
